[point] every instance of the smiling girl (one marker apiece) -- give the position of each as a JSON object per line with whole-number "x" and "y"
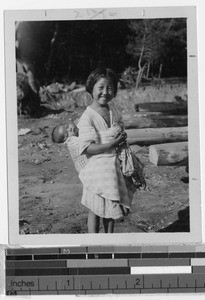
{"x": 96, "y": 120}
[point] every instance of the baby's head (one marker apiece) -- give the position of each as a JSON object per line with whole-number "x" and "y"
{"x": 61, "y": 132}
{"x": 99, "y": 73}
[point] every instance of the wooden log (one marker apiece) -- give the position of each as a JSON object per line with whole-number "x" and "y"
{"x": 156, "y": 121}
{"x": 142, "y": 114}
{"x": 169, "y": 154}
{"x": 179, "y": 108}
{"x": 151, "y": 136}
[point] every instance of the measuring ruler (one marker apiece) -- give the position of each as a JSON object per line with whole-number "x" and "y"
{"x": 105, "y": 270}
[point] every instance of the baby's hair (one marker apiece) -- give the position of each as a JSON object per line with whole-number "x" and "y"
{"x": 57, "y": 134}
{"x": 98, "y": 73}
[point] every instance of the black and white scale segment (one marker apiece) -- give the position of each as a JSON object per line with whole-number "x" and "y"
{"x": 105, "y": 270}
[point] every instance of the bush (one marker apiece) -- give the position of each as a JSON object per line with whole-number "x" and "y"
{"x": 129, "y": 77}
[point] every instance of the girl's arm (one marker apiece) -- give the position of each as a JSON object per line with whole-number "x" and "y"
{"x": 94, "y": 149}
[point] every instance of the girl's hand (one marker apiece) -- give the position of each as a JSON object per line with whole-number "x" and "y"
{"x": 124, "y": 139}
{"x": 125, "y": 212}
{"x": 143, "y": 185}
{"x": 120, "y": 139}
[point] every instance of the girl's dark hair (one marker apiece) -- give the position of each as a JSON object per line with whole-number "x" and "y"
{"x": 98, "y": 73}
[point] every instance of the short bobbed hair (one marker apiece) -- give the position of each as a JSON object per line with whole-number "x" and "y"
{"x": 101, "y": 72}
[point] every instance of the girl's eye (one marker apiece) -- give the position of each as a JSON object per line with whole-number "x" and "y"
{"x": 101, "y": 88}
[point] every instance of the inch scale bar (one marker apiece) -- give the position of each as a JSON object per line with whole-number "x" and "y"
{"x": 105, "y": 270}
{"x": 101, "y": 284}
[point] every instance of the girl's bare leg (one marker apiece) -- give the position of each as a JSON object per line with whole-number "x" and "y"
{"x": 108, "y": 225}
{"x": 93, "y": 222}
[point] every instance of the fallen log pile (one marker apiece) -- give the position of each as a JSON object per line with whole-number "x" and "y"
{"x": 163, "y": 127}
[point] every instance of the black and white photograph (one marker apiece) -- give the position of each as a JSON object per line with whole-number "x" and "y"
{"x": 103, "y": 133}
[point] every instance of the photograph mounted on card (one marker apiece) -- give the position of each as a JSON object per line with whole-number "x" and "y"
{"x": 103, "y": 126}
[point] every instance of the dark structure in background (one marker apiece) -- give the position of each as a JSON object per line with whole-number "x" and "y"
{"x": 27, "y": 87}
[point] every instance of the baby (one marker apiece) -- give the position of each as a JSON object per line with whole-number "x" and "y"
{"x": 68, "y": 134}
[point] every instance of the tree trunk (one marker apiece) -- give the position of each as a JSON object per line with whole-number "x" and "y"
{"x": 155, "y": 121}
{"x": 160, "y": 71}
{"x": 71, "y": 52}
{"x": 139, "y": 77}
{"x": 148, "y": 69}
{"x": 151, "y": 136}
{"x": 168, "y": 154}
{"x": 166, "y": 107}
{"x": 140, "y": 68}
{"x": 52, "y": 47}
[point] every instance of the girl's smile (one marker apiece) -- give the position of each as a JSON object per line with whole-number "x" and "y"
{"x": 103, "y": 91}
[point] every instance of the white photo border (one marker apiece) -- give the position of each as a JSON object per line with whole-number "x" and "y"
{"x": 194, "y": 236}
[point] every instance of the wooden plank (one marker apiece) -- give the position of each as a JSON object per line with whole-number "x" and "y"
{"x": 179, "y": 108}
{"x": 156, "y": 121}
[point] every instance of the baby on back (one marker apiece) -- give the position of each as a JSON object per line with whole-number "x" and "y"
{"x": 68, "y": 134}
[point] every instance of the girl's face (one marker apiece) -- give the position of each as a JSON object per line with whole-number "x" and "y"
{"x": 103, "y": 91}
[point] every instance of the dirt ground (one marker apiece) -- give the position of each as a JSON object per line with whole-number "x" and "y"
{"x": 50, "y": 190}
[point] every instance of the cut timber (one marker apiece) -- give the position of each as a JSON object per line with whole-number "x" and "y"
{"x": 169, "y": 154}
{"x": 156, "y": 121}
{"x": 138, "y": 114}
{"x": 179, "y": 108}
{"x": 151, "y": 136}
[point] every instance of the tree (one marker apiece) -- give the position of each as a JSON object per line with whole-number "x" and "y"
{"x": 70, "y": 50}
{"x": 149, "y": 43}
